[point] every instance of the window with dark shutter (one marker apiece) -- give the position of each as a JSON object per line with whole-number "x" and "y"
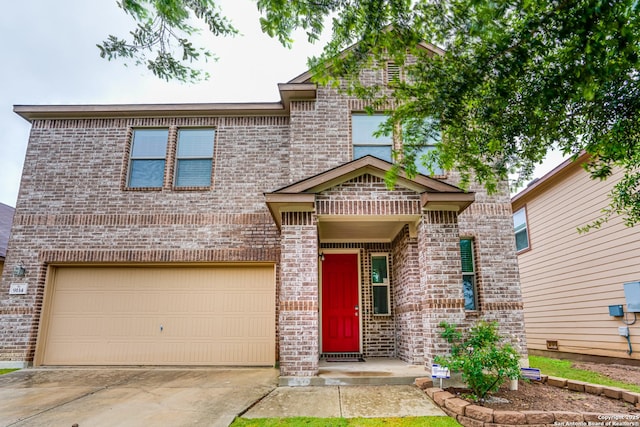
{"x": 468, "y": 274}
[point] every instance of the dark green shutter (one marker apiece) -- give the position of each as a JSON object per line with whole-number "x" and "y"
{"x": 466, "y": 253}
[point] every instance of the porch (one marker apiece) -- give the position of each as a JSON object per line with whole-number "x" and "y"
{"x": 373, "y": 371}
{"x": 365, "y": 270}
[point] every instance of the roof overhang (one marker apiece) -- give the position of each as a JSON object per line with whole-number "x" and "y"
{"x": 301, "y": 197}
{"x": 446, "y": 201}
{"x": 552, "y": 177}
{"x": 288, "y": 92}
{"x": 39, "y": 112}
{"x": 283, "y": 202}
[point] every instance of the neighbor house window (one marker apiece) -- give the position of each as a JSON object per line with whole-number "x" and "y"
{"x": 520, "y": 229}
{"x": 468, "y": 274}
{"x": 194, "y": 157}
{"x": 363, "y": 127}
{"x": 380, "y": 284}
{"x": 147, "y": 159}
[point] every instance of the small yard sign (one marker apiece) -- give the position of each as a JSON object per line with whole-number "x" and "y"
{"x": 530, "y": 373}
{"x": 438, "y": 371}
{"x": 18, "y": 289}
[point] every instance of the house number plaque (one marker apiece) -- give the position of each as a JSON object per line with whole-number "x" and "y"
{"x": 18, "y": 289}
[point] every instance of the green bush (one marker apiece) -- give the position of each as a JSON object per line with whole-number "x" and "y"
{"x": 483, "y": 357}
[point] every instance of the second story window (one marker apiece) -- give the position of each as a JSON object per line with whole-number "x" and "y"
{"x": 424, "y": 135}
{"x": 520, "y": 229}
{"x": 420, "y": 165}
{"x": 147, "y": 160}
{"x": 194, "y": 157}
{"x": 363, "y": 127}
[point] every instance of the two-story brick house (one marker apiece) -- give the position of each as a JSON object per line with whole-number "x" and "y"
{"x": 243, "y": 234}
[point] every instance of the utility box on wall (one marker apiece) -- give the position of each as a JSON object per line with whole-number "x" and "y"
{"x": 632, "y": 295}
{"x": 616, "y": 310}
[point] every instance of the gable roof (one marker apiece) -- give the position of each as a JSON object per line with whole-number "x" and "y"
{"x": 6, "y": 218}
{"x": 552, "y": 177}
{"x": 297, "y": 89}
{"x": 307, "y": 75}
{"x": 300, "y": 196}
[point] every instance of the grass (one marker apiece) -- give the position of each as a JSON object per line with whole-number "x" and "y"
{"x": 6, "y": 371}
{"x": 564, "y": 369}
{"x": 346, "y": 422}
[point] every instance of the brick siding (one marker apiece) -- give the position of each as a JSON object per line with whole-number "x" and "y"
{"x": 74, "y": 207}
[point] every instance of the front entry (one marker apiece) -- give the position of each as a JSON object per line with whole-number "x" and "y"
{"x": 340, "y": 310}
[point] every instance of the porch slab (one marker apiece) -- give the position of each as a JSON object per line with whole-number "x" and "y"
{"x": 373, "y": 371}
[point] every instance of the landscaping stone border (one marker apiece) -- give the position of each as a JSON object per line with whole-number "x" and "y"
{"x": 470, "y": 415}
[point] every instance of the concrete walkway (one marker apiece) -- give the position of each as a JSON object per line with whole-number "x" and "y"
{"x": 350, "y": 401}
{"x": 198, "y": 396}
{"x": 131, "y": 397}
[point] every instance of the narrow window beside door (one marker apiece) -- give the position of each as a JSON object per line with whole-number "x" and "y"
{"x": 380, "y": 284}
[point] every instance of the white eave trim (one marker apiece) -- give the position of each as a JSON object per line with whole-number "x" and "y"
{"x": 35, "y": 112}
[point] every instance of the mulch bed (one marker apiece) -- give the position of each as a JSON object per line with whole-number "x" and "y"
{"x": 536, "y": 396}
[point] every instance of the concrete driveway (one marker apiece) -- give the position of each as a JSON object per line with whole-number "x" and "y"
{"x": 131, "y": 396}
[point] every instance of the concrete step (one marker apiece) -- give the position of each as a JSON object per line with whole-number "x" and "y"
{"x": 364, "y": 379}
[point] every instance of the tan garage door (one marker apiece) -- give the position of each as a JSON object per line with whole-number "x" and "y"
{"x": 160, "y": 316}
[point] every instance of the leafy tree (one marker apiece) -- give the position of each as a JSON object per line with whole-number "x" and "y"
{"x": 161, "y": 38}
{"x": 514, "y": 78}
{"x": 484, "y": 361}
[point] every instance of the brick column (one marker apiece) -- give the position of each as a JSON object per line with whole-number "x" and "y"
{"x": 408, "y": 295}
{"x": 298, "y": 319}
{"x": 440, "y": 278}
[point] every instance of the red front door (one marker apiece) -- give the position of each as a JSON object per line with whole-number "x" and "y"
{"x": 340, "y": 310}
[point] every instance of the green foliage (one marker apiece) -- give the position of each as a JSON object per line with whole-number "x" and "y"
{"x": 346, "y": 422}
{"x": 6, "y": 371}
{"x": 161, "y": 39}
{"x": 481, "y": 356}
{"x": 565, "y": 369}
{"x": 513, "y": 79}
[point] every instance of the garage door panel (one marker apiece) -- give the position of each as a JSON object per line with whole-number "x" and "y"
{"x": 161, "y": 316}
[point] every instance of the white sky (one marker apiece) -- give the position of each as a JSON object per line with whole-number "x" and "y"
{"x": 51, "y": 58}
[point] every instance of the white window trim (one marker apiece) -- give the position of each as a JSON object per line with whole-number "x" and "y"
{"x": 385, "y": 283}
{"x": 524, "y": 229}
{"x": 178, "y": 158}
{"x": 131, "y": 159}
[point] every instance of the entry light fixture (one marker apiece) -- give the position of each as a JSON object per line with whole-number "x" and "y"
{"x": 19, "y": 270}
{"x": 321, "y": 256}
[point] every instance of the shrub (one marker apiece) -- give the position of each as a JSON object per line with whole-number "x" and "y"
{"x": 483, "y": 357}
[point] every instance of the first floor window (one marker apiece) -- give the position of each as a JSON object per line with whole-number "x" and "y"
{"x": 147, "y": 159}
{"x": 194, "y": 157}
{"x": 520, "y": 229}
{"x": 468, "y": 274}
{"x": 380, "y": 284}
{"x": 364, "y": 141}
